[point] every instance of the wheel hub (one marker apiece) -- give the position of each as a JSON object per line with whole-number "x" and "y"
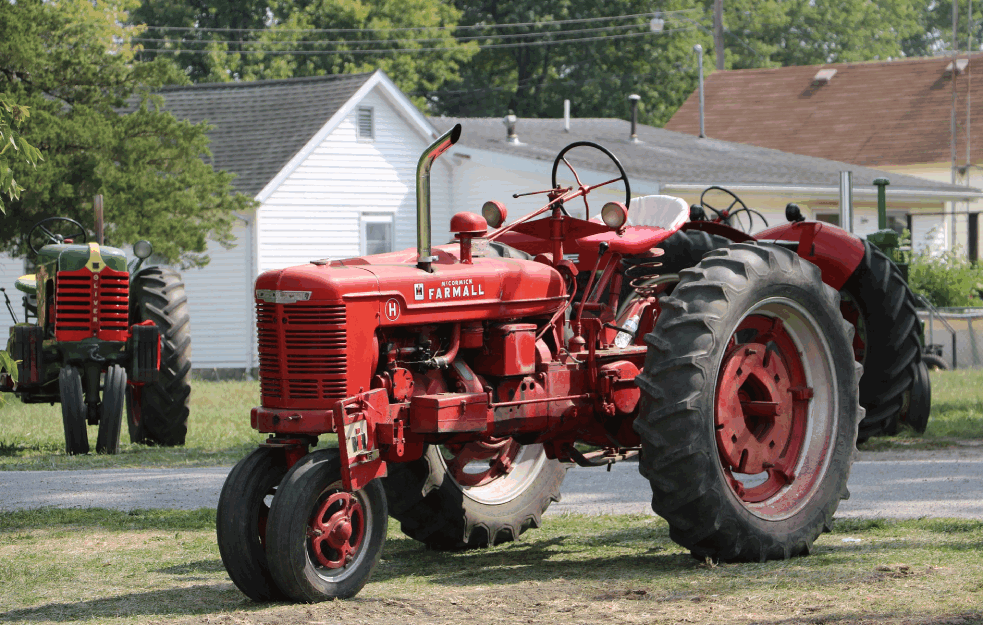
{"x": 760, "y": 410}
{"x": 336, "y": 530}
{"x": 469, "y": 462}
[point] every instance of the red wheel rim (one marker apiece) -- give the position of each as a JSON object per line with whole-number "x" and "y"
{"x": 336, "y": 530}
{"x": 480, "y": 463}
{"x": 761, "y": 411}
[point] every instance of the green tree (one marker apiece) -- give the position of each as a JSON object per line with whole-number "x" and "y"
{"x": 411, "y": 40}
{"x": 13, "y": 147}
{"x": 70, "y": 61}
{"x": 778, "y": 33}
{"x": 592, "y": 61}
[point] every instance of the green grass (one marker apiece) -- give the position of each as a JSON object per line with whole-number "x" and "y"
{"x": 957, "y": 415}
{"x": 32, "y": 436}
{"x": 163, "y": 567}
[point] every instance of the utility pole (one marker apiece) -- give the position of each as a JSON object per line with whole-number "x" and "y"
{"x": 952, "y": 135}
{"x": 718, "y": 32}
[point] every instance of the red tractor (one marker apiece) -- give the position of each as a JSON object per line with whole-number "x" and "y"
{"x": 463, "y": 380}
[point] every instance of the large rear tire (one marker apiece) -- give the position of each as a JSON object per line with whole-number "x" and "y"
{"x": 157, "y": 413}
{"x": 323, "y": 542}
{"x": 749, "y": 413}
{"x": 477, "y": 497}
{"x": 242, "y": 519}
{"x": 886, "y": 343}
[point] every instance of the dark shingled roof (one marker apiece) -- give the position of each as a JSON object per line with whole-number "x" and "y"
{"x": 874, "y": 113}
{"x": 669, "y": 157}
{"x": 259, "y": 126}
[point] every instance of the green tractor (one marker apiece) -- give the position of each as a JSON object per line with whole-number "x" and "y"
{"x": 100, "y": 336}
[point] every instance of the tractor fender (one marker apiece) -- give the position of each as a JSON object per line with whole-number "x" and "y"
{"x": 835, "y": 251}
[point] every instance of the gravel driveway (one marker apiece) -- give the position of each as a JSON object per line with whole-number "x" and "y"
{"x": 945, "y": 483}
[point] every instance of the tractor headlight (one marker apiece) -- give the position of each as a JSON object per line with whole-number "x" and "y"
{"x": 494, "y": 213}
{"x": 615, "y": 215}
{"x": 143, "y": 249}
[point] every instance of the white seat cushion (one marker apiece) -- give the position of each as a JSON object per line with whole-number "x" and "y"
{"x": 663, "y": 211}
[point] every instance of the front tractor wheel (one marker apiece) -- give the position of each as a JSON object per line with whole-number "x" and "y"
{"x": 73, "y": 411}
{"x": 473, "y": 495}
{"x": 322, "y": 542}
{"x": 750, "y": 406}
{"x": 111, "y": 410}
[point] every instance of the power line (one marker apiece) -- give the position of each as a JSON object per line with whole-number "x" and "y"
{"x": 424, "y": 49}
{"x": 578, "y": 31}
{"x": 418, "y": 28}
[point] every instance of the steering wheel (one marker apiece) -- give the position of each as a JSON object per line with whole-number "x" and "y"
{"x": 588, "y": 188}
{"x": 725, "y": 215}
{"x": 46, "y": 231}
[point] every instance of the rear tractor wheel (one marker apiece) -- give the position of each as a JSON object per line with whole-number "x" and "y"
{"x": 473, "y": 495}
{"x": 750, "y": 406}
{"x": 157, "y": 413}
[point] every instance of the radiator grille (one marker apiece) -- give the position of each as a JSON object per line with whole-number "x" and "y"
{"x": 302, "y": 351}
{"x": 87, "y": 304}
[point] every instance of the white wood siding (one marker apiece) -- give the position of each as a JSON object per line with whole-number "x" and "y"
{"x": 221, "y": 305}
{"x": 315, "y": 212}
{"x": 10, "y": 270}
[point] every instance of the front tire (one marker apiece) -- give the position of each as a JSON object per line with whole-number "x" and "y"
{"x": 157, "y": 413}
{"x": 73, "y": 411}
{"x": 750, "y": 407}
{"x": 919, "y": 404}
{"x": 242, "y": 519}
{"x": 323, "y": 542}
{"x": 111, "y": 410}
{"x": 450, "y": 504}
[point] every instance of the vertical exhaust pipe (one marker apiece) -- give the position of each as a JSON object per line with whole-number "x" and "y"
{"x": 634, "y": 98}
{"x": 699, "y": 60}
{"x": 423, "y": 230}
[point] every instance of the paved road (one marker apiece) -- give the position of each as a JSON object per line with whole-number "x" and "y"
{"x": 893, "y": 484}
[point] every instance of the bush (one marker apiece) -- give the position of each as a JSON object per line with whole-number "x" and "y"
{"x": 946, "y": 278}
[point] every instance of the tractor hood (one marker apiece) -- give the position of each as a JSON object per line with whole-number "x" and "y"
{"x": 392, "y": 290}
{"x": 75, "y": 256}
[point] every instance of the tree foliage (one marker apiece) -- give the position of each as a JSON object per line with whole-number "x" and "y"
{"x": 13, "y": 147}
{"x": 70, "y": 61}
{"x": 332, "y": 37}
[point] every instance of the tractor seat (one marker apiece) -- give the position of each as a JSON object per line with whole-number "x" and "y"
{"x": 28, "y": 283}
{"x": 661, "y": 211}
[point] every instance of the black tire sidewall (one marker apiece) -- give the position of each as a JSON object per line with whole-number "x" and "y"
{"x": 237, "y": 522}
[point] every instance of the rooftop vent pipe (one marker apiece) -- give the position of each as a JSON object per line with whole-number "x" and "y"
{"x": 699, "y": 59}
{"x": 509, "y": 122}
{"x": 435, "y": 149}
{"x": 634, "y": 98}
{"x": 566, "y": 116}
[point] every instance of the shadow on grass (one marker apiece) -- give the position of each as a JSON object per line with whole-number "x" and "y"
{"x": 198, "y": 599}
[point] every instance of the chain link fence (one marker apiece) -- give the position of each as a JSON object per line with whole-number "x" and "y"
{"x": 955, "y": 334}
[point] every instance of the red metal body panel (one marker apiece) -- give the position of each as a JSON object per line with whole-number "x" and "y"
{"x": 92, "y": 305}
{"x": 835, "y": 251}
{"x": 583, "y": 237}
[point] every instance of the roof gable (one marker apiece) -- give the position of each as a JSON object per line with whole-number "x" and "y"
{"x": 263, "y": 129}
{"x": 873, "y": 114}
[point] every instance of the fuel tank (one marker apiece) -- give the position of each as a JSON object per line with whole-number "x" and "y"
{"x": 316, "y": 323}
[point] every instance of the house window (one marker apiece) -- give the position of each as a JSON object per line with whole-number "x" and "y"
{"x": 829, "y": 218}
{"x": 377, "y": 234}
{"x": 899, "y": 222}
{"x": 366, "y": 124}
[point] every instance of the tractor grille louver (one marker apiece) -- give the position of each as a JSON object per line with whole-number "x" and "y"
{"x": 302, "y": 351}
{"x": 88, "y": 304}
